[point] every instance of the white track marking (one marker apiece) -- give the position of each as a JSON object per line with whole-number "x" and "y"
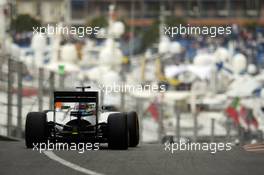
{"x": 56, "y": 158}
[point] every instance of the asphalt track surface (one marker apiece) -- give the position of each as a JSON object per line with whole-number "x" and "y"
{"x": 150, "y": 159}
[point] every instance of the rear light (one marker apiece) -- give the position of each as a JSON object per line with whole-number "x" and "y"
{"x": 58, "y": 105}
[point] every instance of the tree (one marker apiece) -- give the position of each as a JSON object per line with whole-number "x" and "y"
{"x": 24, "y": 23}
{"x": 99, "y": 21}
{"x": 150, "y": 35}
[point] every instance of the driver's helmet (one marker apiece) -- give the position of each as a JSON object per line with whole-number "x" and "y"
{"x": 84, "y": 106}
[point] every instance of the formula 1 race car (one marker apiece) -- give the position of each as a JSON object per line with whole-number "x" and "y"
{"x": 81, "y": 108}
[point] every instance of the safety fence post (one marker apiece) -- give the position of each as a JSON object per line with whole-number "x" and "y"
{"x": 61, "y": 81}
{"x": 9, "y": 97}
{"x": 139, "y": 109}
{"x": 228, "y": 129}
{"x": 212, "y": 129}
{"x": 19, "y": 98}
{"x": 51, "y": 89}
{"x": 40, "y": 89}
{"x": 178, "y": 126}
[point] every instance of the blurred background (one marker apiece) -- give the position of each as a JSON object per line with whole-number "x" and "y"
{"x": 214, "y": 85}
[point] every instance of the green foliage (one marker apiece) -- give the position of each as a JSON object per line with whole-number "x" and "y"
{"x": 24, "y": 23}
{"x": 151, "y": 34}
{"x": 173, "y": 21}
{"x": 99, "y": 21}
{"x": 252, "y": 25}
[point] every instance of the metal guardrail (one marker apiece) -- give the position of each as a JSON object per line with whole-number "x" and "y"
{"x": 13, "y": 75}
{"x": 13, "y": 85}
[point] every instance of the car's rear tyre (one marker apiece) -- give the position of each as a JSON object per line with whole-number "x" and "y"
{"x": 133, "y": 128}
{"x": 117, "y": 131}
{"x": 36, "y": 128}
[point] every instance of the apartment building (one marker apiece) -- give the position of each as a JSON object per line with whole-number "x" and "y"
{"x": 79, "y": 11}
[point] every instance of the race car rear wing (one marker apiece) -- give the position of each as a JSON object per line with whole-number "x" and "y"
{"x": 75, "y": 96}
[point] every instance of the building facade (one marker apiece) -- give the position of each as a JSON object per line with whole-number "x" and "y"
{"x": 79, "y": 11}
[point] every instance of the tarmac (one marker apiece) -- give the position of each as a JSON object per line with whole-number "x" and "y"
{"x": 149, "y": 159}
